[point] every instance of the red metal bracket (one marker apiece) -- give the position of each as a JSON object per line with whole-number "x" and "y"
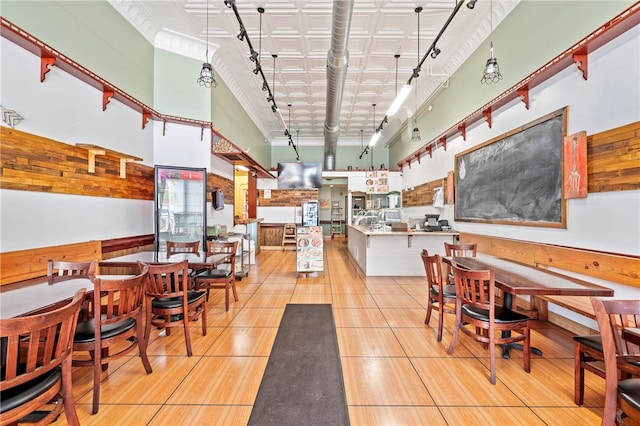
{"x": 487, "y": 116}
{"x": 443, "y": 142}
{"x": 430, "y": 151}
{"x": 463, "y": 131}
{"x": 146, "y": 116}
{"x": 523, "y": 93}
{"x": 164, "y": 127}
{"x": 417, "y": 155}
{"x": 583, "y": 64}
{"x": 45, "y": 66}
{"x": 409, "y": 163}
{"x": 106, "y": 97}
{"x": 202, "y": 133}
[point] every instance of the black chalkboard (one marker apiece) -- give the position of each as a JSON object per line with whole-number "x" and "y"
{"x": 515, "y": 178}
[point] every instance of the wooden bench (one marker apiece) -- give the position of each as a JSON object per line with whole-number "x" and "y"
{"x": 617, "y": 268}
{"x": 32, "y": 263}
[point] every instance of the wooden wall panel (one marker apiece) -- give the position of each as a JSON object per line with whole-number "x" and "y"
{"x": 34, "y": 163}
{"x": 24, "y": 264}
{"x": 613, "y": 159}
{"x": 287, "y": 197}
{"x": 618, "y": 268}
{"x": 422, "y": 195}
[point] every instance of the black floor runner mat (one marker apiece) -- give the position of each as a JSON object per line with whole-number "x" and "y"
{"x": 302, "y": 384}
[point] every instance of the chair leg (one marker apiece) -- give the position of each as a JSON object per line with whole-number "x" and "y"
{"x": 429, "y": 307}
{"x": 142, "y": 344}
{"x": 204, "y": 318}
{"x": 67, "y": 394}
{"x": 492, "y": 356}
{"x": 578, "y": 375}
{"x": 527, "y": 349}
{"x": 226, "y": 297}
{"x": 187, "y": 338}
{"x": 440, "y": 321}
{"x": 235, "y": 291}
{"x": 97, "y": 370}
{"x": 456, "y": 329}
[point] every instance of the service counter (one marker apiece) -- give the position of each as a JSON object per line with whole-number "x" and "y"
{"x": 387, "y": 253}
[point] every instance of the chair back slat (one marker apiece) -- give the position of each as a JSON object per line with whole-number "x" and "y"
{"x": 121, "y": 299}
{"x": 64, "y": 268}
{"x": 174, "y": 247}
{"x": 167, "y": 280}
{"x": 217, "y": 247}
{"x": 34, "y": 345}
{"x": 433, "y": 268}
{"x": 475, "y": 288}
{"x": 460, "y": 250}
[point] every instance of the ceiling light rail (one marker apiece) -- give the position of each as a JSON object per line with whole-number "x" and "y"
{"x": 254, "y": 56}
{"x": 432, "y": 52}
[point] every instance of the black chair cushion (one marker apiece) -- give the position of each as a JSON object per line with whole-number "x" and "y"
{"x": 214, "y": 274}
{"x": 447, "y": 291}
{"x": 629, "y": 390}
{"x": 85, "y": 330}
{"x": 503, "y": 316}
{"x": 21, "y": 394}
{"x": 593, "y": 341}
{"x": 176, "y": 302}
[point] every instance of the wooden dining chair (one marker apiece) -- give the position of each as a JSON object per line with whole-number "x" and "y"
{"x": 458, "y": 250}
{"x": 65, "y": 268}
{"x": 442, "y": 298}
{"x": 171, "y": 302}
{"x": 174, "y": 247}
{"x": 60, "y": 270}
{"x": 622, "y": 397}
{"x": 224, "y": 275}
{"x": 116, "y": 331}
{"x": 36, "y": 364}
{"x": 478, "y": 316}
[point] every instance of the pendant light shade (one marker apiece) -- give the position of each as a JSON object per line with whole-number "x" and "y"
{"x": 207, "y": 77}
{"x": 415, "y": 135}
{"x": 491, "y": 69}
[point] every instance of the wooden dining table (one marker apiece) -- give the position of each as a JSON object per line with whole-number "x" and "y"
{"x": 518, "y": 279}
{"x": 39, "y": 294}
{"x": 196, "y": 260}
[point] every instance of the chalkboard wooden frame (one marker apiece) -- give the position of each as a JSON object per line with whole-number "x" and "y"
{"x": 515, "y": 178}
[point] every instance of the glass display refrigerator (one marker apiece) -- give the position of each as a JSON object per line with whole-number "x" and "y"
{"x": 310, "y": 213}
{"x": 180, "y": 213}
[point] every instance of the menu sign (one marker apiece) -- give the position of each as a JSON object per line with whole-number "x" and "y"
{"x": 310, "y": 249}
{"x": 377, "y": 182}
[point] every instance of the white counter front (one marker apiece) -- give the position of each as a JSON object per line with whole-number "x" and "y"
{"x": 394, "y": 253}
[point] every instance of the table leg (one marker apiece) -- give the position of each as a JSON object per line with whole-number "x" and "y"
{"x": 508, "y": 303}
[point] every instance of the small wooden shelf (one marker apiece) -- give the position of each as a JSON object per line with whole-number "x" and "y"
{"x": 95, "y": 150}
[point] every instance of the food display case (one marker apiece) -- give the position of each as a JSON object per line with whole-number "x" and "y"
{"x": 309, "y": 249}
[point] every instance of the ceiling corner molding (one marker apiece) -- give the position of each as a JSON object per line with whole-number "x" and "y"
{"x": 136, "y": 17}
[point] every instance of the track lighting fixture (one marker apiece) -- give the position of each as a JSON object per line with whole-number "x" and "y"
{"x": 435, "y": 52}
{"x": 264, "y": 86}
{"x": 257, "y": 69}
{"x": 274, "y": 108}
{"x": 242, "y": 34}
{"x": 253, "y": 57}
{"x": 207, "y": 77}
{"x": 471, "y": 4}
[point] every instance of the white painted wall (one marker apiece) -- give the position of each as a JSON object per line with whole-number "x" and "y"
{"x": 67, "y": 110}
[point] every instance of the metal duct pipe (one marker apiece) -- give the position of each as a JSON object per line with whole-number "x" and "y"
{"x": 337, "y": 61}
